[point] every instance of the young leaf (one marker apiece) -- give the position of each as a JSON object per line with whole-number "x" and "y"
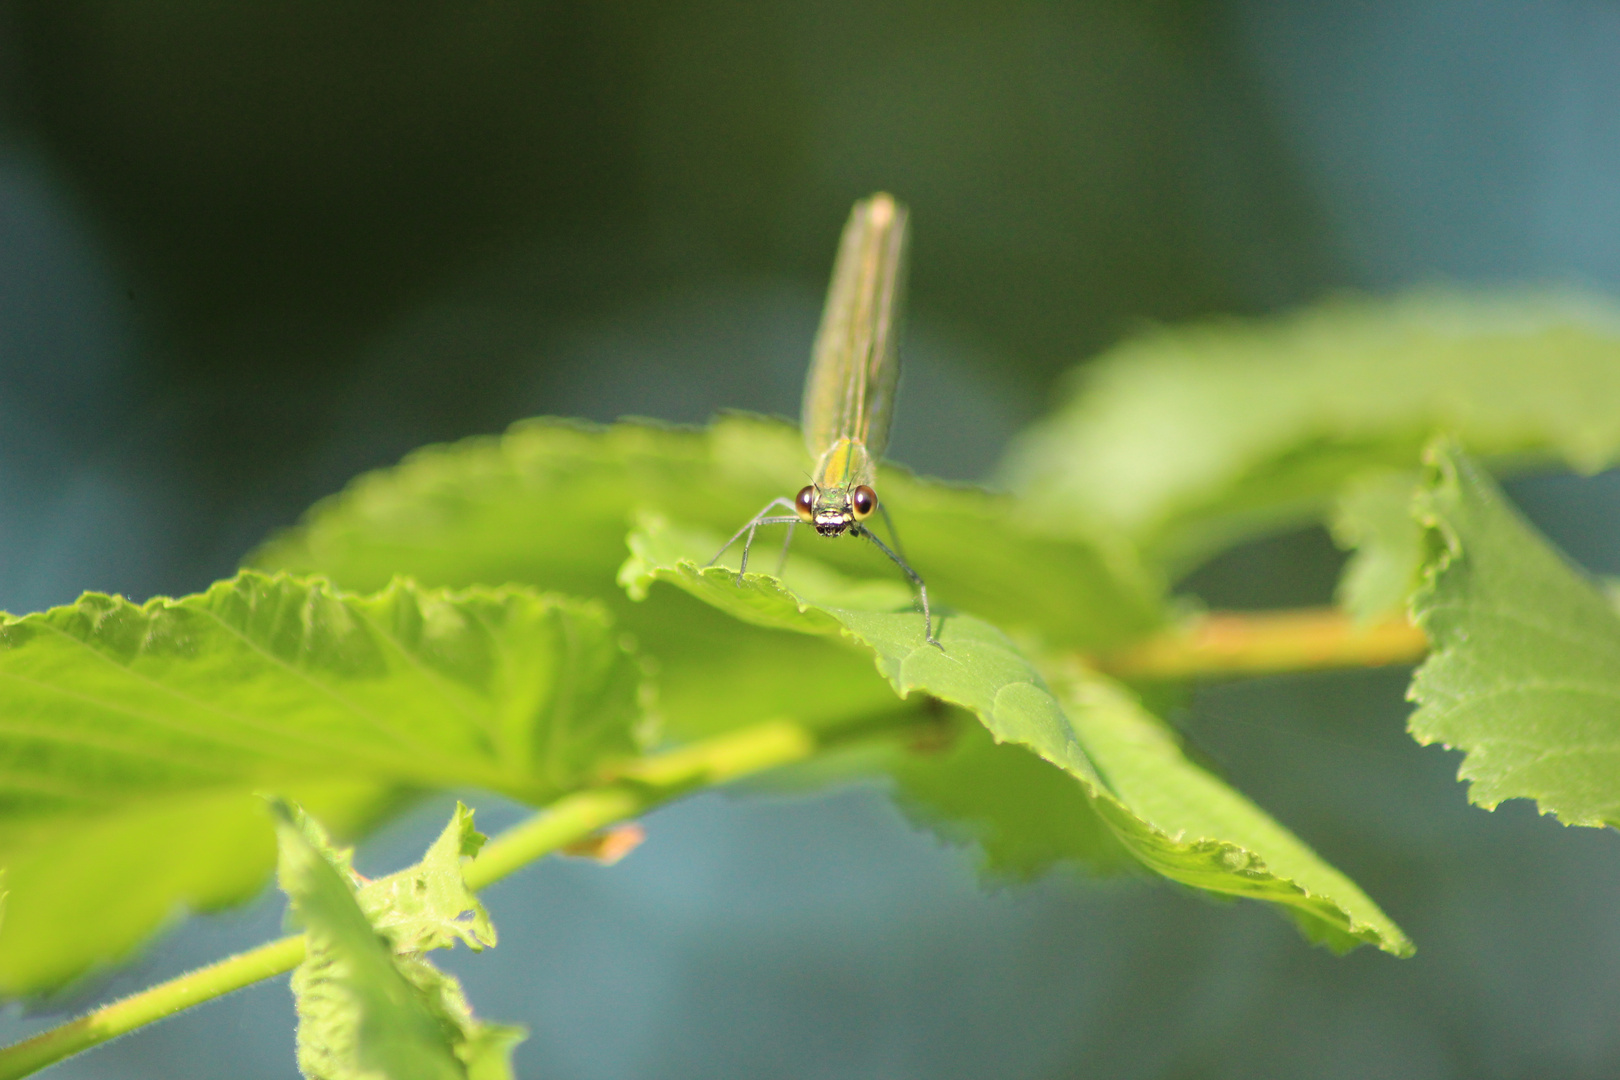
{"x": 1524, "y": 676}
{"x": 1191, "y": 438}
{"x": 369, "y": 1007}
{"x": 138, "y": 734}
{"x": 1176, "y": 819}
{"x": 428, "y": 906}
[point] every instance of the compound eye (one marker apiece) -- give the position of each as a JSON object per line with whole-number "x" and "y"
{"x": 863, "y": 500}
{"x": 804, "y": 503}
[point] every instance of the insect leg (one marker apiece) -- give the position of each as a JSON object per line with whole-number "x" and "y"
{"x": 894, "y": 533}
{"x": 916, "y": 579}
{"x": 761, "y": 518}
{"x": 787, "y": 543}
{"x": 748, "y": 543}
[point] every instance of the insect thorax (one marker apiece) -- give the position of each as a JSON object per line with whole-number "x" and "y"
{"x": 845, "y": 466}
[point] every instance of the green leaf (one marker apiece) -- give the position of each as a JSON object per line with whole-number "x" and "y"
{"x": 1188, "y": 825}
{"x": 139, "y": 733}
{"x": 1189, "y": 439}
{"x": 1025, "y": 816}
{"x": 428, "y": 906}
{"x": 1373, "y": 519}
{"x": 1524, "y": 674}
{"x": 549, "y": 504}
{"x": 369, "y": 1007}
{"x": 85, "y": 887}
{"x": 1175, "y": 818}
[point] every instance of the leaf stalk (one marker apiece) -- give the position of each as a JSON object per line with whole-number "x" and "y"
{"x": 1243, "y": 644}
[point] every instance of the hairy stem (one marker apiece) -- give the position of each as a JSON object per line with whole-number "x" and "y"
{"x": 137, "y": 1010}
{"x": 634, "y": 790}
{"x": 1266, "y": 642}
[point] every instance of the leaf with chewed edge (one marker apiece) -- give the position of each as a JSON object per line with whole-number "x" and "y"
{"x": 369, "y": 1006}
{"x": 428, "y": 906}
{"x": 1174, "y": 817}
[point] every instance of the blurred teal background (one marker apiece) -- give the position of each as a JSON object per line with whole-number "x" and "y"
{"x": 246, "y": 252}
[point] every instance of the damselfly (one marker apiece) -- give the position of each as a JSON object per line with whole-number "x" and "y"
{"x": 849, "y": 392}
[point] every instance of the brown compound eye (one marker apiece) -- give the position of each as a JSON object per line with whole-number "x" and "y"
{"x": 804, "y": 503}
{"x": 863, "y": 500}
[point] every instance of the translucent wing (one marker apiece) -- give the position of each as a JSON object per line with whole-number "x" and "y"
{"x": 855, "y": 367}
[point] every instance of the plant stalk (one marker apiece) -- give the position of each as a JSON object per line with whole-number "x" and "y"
{"x": 1239, "y": 644}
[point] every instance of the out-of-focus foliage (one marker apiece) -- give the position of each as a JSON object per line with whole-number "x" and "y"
{"x": 1372, "y": 518}
{"x": 428, "y": 905}
{"x": 326, "y": 165}
{"x": 1191, "y": 439}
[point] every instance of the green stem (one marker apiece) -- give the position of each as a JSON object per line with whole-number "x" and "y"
{"x": 634, "y": 790}
{"x": 1247, "y": 643}
{"x": 110, "y": 1021}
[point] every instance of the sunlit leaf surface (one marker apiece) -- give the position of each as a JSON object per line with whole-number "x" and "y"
{"x": 137, "y": 735}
